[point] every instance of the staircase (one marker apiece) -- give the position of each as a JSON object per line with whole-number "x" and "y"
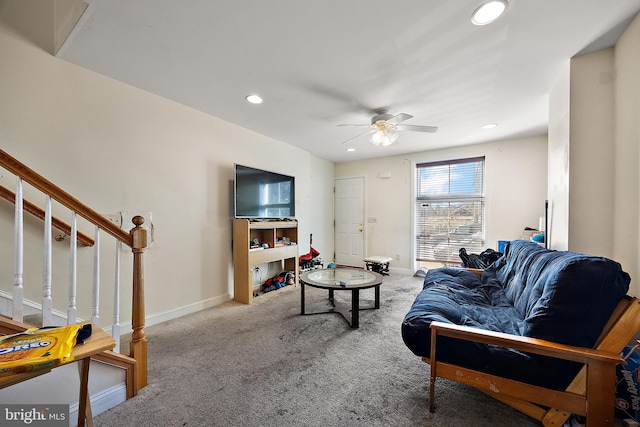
{"x": 26, "y": 303}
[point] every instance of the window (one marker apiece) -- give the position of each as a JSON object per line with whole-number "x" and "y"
{"x": 449, "y": 209}
{"x": 276, "y": 199}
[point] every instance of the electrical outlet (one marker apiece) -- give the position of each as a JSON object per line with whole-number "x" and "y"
{"x": 257, "y": 276}
{"x": 397, "y": 256}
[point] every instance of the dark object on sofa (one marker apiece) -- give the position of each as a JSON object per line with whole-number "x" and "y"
{"x": 482, "y": 260}
{"x": 559, "y": 297}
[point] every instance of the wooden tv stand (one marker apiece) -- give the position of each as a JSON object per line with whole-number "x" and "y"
{"x": 244, "y": 259}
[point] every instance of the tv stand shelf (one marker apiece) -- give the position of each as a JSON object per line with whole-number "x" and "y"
{"x": 273, "y": 233}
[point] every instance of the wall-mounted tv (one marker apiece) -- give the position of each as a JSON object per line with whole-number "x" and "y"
{"x": 260, "y": 194}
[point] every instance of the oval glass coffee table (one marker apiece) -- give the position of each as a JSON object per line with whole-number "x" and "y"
{"x": 342, "y": 279}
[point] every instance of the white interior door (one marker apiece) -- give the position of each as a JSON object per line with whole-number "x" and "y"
{"x": 349, "y": 217}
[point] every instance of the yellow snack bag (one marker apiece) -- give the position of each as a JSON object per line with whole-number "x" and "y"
{"x": 38, "y": 348}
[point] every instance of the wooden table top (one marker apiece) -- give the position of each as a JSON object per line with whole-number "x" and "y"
{"x": 98, "y": 342}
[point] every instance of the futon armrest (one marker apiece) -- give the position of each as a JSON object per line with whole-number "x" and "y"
{"x": 526, "y": 344}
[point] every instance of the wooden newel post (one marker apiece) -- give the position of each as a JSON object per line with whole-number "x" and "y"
{"x": 138, "y": 347}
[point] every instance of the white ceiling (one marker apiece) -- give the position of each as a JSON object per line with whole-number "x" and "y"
{"x": 321, "y": 63}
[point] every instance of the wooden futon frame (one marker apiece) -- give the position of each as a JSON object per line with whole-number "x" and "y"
{"x": 590, "y": 394}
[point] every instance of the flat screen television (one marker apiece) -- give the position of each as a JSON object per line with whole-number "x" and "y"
{"x": 260, "y": 194}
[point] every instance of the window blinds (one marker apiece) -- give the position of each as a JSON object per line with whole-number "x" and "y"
{"x": 449, "y": 209}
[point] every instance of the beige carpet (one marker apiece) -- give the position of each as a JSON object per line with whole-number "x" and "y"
{"x": 266, "y": 365}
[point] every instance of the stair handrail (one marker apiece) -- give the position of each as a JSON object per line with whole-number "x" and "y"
{"x": 136, "y": 239}
{"x": 38, "y": 212}
{"x": 58, "y": 194}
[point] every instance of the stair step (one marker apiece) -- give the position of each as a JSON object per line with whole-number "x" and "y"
{"x": 33, "y": 320}
{"x": 9, "y": 326}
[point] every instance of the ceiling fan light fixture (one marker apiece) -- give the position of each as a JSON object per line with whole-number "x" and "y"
{"x": 488, "y": 12}
{"x": 377, "y": 137}
{"x": 392, "y": 137}
{"x": 385, "y": 128}
{"x": 385, "y": 136}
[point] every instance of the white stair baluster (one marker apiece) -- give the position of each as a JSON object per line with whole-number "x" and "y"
{"x": 95, "y": 309}
{"x": 18, "y": 253}
{"x": 73, "y": 264}
{"x": 115, "y": 328}
{"x": 47, "y": 319}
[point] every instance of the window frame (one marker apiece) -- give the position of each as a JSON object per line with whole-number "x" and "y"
{"x": 271, "y": 208}
{"x": 433, "y": 245}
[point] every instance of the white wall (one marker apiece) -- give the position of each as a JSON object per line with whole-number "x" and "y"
{"x": 592, "y": 155}
{"x": 558, "y": 160}
{"x": 515, "y": 190}
{"x": 118, "y": 148}
{"x": 581, "y": 155}
{"x": 594, "y": 140}
{"x": 626, "y": 188}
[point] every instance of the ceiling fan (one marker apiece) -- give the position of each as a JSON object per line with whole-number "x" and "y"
{"x": 386, "y": 127}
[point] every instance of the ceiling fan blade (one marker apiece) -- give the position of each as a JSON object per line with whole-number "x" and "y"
{"x": 418, "y": 128}
{"x": 351, "y": 124}
{"x": 358, "y": 136}
{"x": 400, "y": 117}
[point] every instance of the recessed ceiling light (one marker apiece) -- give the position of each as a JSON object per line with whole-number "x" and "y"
{"x": 351, "y": 149}
{"x": 489, "y": 126}
{"x": 254, "y": 99}
{"x": 488, "y": 12}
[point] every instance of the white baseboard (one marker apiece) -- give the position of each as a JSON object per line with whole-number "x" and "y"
{"x": 157, "y": 318}
{"x": 31, "y": 307}
{"x": 100, "y": 402}
{"x": 400, "y": 270}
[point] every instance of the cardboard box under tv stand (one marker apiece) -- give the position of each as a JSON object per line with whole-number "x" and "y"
{"x": 245, "y": 259}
